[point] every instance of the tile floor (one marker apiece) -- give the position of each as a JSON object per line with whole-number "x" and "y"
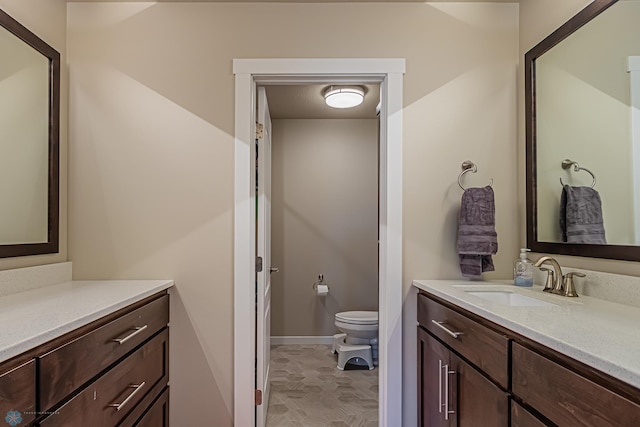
{"x": 308, "y": 390}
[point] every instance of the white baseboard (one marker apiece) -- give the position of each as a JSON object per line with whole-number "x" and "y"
{"x": 302, "y": 340}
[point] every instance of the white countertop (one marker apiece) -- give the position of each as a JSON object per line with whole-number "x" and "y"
{"x": 34, "y": 317}
{"x": 599, "y": 333}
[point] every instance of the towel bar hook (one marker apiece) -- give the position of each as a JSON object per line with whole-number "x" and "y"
{"x": 469, "y": 166}
{"x": 566, "y": 164}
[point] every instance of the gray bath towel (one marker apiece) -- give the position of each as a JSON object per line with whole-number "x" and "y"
{"x": 477, "y": 237}
{"x": 581, "y": 216}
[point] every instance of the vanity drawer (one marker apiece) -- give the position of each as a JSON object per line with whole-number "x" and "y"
{"x": 483, "y": 347}
{"x": 565, "y": 397}
{"x": 125, "y": 385}
{"x": 18, "y": 392}
{"x": 71, "y": 365}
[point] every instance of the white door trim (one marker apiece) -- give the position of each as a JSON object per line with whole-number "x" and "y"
{"x": 634, "y": 82}
{"x": 389, "y": 72}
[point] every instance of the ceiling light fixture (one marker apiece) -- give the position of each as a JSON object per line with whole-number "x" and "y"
{"x": 344, "y": 96}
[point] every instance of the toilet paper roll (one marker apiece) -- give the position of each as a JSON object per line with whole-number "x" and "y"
{"x": 322, "y": 289}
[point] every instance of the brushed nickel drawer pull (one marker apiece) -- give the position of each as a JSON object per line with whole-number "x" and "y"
{"x": 447, "y": 411}
{"x": 137, "y": 387}
{"x": 136, "y": 331}
{"x": 447, "y": 330}
{"x": 440, "y": 405}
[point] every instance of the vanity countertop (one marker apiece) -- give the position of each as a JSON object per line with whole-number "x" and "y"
{"x": 601, "y": 334}
{"x": 34, "y": 317}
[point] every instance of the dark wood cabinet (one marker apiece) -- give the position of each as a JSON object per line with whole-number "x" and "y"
{"x": 520, "y": 417}
{"x": 111, "y": 372}
{"x": 67, "y": 367}
{"x": 452, "y": 392}
{"x": 487, "y": 375}
{"x": 106, "y": 401}
{"x": 477, "y": 400}
{"x": 480, "y": 345}
{"x": 158, "y": 413}
{"x": 431, "y": 355}
{"x": 566, "y": 398}
{"x": 18, "y": 392}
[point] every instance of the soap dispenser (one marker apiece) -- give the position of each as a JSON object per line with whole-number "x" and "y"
{"x": 523, "y": 270}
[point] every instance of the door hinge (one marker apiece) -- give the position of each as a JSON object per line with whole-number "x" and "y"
{"x": 259, "y": 264}
{"x": 258, "y": 397}
{"x": 259, "y": 131}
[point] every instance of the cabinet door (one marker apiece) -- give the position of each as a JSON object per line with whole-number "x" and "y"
{"x": 453, "y": 393}
{"x": 476, "y": 400}
{"x": 158, "y": 413}
{"x": 432, "y": 357}
{"x": 520, "y": 417}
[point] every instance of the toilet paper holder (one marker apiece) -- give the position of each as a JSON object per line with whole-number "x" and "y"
{"x": 319, "y": 282}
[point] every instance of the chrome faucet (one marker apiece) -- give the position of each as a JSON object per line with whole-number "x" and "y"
{"x": 558, "y": 286}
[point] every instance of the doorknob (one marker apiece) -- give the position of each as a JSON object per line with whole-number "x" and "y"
{"x": 274, "y": 270}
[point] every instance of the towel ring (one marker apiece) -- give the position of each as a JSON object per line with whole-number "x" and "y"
{"x": 566, "y": 164}
{"x": 469, "y": 166}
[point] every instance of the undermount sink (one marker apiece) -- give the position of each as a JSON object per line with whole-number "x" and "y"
{"x": 509, "y": 298}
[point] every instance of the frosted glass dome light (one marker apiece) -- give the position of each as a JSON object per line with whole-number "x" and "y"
{"x": 344, "y": 96}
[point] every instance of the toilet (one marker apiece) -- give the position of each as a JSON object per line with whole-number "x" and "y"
{"x": 358, "y": 338}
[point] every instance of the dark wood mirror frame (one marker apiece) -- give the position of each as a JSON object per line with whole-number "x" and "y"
{"x": 628, "y": 253}
{"x": 51, "y": 245}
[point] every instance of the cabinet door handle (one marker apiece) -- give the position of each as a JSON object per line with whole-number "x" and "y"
{"x": 447, "y": 412}
{"x": 136, "y": 331}
{"x": 137, "y": 387}
{"x": 440, "y": 386}
{"x": 447, "y": 330}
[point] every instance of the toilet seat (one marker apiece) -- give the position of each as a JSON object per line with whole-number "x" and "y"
{"x": 358, "y": 317}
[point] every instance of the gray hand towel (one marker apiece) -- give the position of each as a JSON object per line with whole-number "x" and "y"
{"x": 581, "y": 216}
{"x": 477, "y": 237}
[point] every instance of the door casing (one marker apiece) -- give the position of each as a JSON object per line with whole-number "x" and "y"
{"x": 389, "y": 73}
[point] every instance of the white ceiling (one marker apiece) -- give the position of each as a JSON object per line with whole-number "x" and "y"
{"x": 306, "y": 102}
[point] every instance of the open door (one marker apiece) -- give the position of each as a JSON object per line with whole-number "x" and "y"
{"x": 263, "y": 248}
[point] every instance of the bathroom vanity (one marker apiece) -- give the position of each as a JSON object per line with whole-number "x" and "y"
{"x": 86, "y": 353}
{"x": 531, "y": 360}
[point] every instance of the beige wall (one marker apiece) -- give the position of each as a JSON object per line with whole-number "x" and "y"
{"x": 324, "y": 220}
{"x": 152, "y": 107}
{"x": 538, "y": 18}
{"x": 48, "y": 20}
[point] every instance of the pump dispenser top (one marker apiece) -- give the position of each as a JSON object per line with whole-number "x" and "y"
{"x": 523, "y": 270}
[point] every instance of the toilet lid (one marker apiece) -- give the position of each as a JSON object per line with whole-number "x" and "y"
{"x": 358, "y": 317}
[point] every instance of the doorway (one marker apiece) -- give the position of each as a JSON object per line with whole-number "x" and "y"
{"x": 324, "y": 223}
{"x": 388, "y": 73}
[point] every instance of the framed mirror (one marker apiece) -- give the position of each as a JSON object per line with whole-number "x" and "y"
{"x": 582, "y": 112}
{"x": 29, "y": 142}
